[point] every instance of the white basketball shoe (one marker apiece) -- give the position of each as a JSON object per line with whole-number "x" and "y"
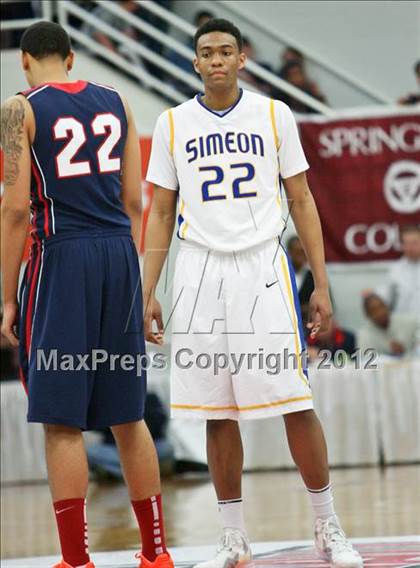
{"x": 233, "y": 549}
{"x": 331, "y": 545}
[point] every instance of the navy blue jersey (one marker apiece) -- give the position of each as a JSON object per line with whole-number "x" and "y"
{"x": 77, "y": 153}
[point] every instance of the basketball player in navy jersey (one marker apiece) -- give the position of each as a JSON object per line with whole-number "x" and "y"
{"x": 72, "y": 162}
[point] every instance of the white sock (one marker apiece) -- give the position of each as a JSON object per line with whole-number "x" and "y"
{"x": 322, "y": 502}
{"x": 232, "y": 514}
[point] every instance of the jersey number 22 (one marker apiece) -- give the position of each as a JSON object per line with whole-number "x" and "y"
{"x": 72, "y": 129}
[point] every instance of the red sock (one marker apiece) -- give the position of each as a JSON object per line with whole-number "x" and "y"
{"x": 150, "y": 520}
{"x": 70, "y": 515}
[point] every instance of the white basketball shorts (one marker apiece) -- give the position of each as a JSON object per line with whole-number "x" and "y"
{"x": 237, "y": 335}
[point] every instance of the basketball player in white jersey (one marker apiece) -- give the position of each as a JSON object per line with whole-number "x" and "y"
{"x": 218, "y": 157}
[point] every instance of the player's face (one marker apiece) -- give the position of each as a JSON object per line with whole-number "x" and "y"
{"x": 218, "y": 60}
{"x": 378, "y": 311}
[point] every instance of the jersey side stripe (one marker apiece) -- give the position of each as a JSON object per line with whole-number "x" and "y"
{"x": 42, "y": 199}
{"x": 171, "y": 131}
{"x": 44, "y": 187}
{"x": 273, "y": 124}
{"x": 184, "y": 227}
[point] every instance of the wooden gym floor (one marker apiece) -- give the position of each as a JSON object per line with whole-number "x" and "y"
{"x": 371, "y": 502}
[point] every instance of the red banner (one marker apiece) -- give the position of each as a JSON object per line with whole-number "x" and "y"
{"x": 365, "y": 177}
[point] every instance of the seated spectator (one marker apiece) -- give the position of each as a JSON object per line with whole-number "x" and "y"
{"x": 333, "y": 339}
{"x": 120, "y": 25}
{"x": 412, "y": 98}
{"x": 291, "y": 54}
{"x": 304, "y": 279}
{"x": 104, "y": 458}
{"x": 294, "y": 73}
{"x": 103, "y": 15}
{"x": 184, "y": 63}
{"x": 401, "y": 291}
{"x": 386, "y": 332}
{"x": 248, "y": 76}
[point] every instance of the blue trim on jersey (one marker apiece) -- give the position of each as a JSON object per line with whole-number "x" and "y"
{"x": 180, "y": 221}
{"x": 297, "y": 304}
{"x": 199, "y": 95}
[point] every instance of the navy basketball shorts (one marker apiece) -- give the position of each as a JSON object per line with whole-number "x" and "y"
{"x": 80, "y": 332}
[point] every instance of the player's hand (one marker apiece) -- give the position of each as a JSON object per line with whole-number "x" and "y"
{"x": 320, "y": 312}
{"x": 153, "y": 312}
{"x": 10, "y": 313}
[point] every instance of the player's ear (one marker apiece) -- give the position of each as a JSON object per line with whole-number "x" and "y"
{"x": 25, "y": 61}
{"x": 195, "y": 64}
{"x": 69, "y": 61}
{"x": 242, "y": 60}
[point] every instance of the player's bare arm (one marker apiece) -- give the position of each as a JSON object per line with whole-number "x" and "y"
{"x": 308, "y": 226}
{"x": 160, "y": 227}
{"x": 17, "y": 128}
{"x": 131, "y": 178}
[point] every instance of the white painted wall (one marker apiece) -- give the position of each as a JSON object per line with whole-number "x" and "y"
{"x": 377, "y": 42}
{"x": 145, "y": 105}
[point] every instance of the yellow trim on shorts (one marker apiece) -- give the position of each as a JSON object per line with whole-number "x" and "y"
{"x": 240, "y": 408}
{"x": 294, "y": 317}
{"x": 181, "y": 212}
{"x": 171, "y": 132}
{"x": 274, "y": 125}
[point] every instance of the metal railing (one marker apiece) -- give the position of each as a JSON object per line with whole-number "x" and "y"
{"x": 138, "y": 53}
{"x": 135, "y": 58}
{"x": 259, "y": 71}
{"x": 335, "y": 70}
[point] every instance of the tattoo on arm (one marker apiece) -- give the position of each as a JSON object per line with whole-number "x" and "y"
{"x": 12, "y": 121}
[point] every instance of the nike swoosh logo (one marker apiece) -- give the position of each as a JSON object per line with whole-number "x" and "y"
{"x": 272, "y": 284}
{"x": 62, "y": 510}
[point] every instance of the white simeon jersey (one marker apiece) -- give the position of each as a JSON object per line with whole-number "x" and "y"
{"x": 226, "y": 168}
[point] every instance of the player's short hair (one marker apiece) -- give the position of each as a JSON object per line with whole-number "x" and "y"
{"x": 291, "y": 241}
{"x": 45, "y": 39}
{"x": 218, "y": 25}
{"x": 417, "y": 67}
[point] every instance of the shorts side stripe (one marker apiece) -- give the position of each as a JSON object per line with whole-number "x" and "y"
{"x": 287, "y": 278}
{"x": 31, "y": 299}
{"x": 241, "y": 408}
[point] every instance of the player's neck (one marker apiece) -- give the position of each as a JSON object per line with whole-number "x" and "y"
{"x": 51, "y": 76}
{"x": 221, "y": 100}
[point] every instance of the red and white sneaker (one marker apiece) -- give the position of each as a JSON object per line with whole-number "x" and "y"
{"x": 163, "y": 560}
{"x": 63, "y": 564}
